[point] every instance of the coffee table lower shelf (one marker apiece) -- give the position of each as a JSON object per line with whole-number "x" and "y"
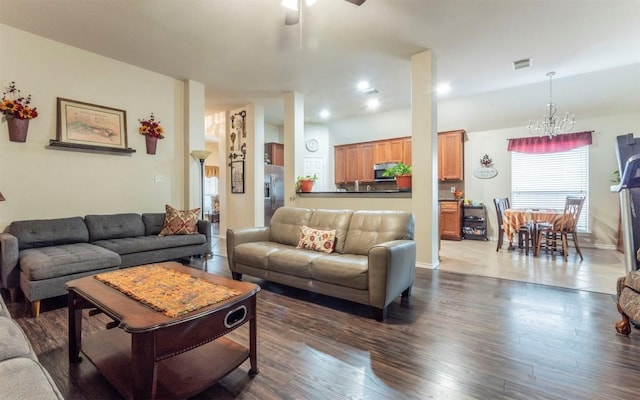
{"x": 178, "y": 377}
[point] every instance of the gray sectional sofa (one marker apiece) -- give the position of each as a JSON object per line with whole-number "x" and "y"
{"x": 373, "y": 261}
{"x": 21, "y": 375}
{"x": 40, "y": 256}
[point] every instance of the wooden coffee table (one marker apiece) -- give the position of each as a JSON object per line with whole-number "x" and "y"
{"x": 153, "y": 355}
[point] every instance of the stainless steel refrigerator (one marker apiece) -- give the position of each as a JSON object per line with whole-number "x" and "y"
{"x": 273, "y": 190}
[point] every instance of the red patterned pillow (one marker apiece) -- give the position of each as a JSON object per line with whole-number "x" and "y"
{"x": 180, "y": 222}
{"x": 318, "y": 240}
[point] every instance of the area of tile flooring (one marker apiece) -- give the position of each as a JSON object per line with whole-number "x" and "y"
{"x": 598, "y": 271}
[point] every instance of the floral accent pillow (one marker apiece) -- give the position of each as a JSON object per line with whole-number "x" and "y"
{"x": 317, "y": 239}
{"x": 180, "y": 222}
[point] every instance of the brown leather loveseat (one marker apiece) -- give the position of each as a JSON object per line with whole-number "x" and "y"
{"x": 372, "y": 262}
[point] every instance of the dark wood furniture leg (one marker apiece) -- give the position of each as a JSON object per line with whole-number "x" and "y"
{"x": 237, "y": 276}
{"x": 380, "y": 314}
{"x": 75, "y": 328}
{"x": 253, "y": 340}
{"x": 143, "y": 365}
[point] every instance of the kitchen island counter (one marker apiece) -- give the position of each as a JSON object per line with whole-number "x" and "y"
{"x": 386, "y": 194}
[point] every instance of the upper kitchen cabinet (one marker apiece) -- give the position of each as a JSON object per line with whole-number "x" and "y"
{"x": 366, "y": 161}
{"x": 274, "y": 152}
{"x": 346, "y": 167}
{"x": 451, "y": 155}
{"x": 355, "y": 161}
{"x": 406, "y": 150}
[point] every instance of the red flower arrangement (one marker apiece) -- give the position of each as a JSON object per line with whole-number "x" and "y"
{"x": 151, "y": 127}
{"x": 14, "y": 105}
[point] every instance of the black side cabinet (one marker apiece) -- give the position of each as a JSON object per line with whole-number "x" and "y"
{"x": 474, "y": 222}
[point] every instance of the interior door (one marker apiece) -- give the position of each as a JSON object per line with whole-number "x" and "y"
{"x": 316, "y": 165}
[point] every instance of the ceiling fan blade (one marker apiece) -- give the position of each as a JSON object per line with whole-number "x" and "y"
{"x": 356, "y": 2}
{"x": 291, "y": 17}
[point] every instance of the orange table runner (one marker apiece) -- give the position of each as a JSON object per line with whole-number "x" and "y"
{"x": 514, "y": 218}
{"x": 170, "y": 292}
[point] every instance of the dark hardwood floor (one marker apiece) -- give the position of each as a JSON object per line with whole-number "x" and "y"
{"x": 462, "y": 337}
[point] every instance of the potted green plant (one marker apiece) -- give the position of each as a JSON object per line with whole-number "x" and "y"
{"x": 402, "y": 172}
{"x": 305, "y": 183}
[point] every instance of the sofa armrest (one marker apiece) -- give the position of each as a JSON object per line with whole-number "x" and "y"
{"x": 204, "y": 227}
{"x": 391, "y": 270}
{"x": 9, "y": 271}
{"x": 244, "y": 235}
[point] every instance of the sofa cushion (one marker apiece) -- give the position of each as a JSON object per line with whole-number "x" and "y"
{"x": 23, "y": 378}
{"x": 112, "y": 226}
{"x": 333, "y": 219}
{"x": 180, "y": 222}
{"x": 342, "y": 269}
{"x": 317, "y": 240}
{"x": 13, "y": 341}
{"x": 49, "y": 232}
{"x": 292, "y": 261}
{"x": 55, "y": 261}
{"x": 286, "y": 225}
{"x": 256, "y": 253}
{"x": 153, "y": 223}
{"x": 368, "y": 228}
{"x": 149, "y": 243}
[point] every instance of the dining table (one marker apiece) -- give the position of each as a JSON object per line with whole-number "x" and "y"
{"x": 514, "y": 218}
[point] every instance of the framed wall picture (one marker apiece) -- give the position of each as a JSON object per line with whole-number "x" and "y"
{"x": 90, "y": 126}
{"x": 237, "y": 176}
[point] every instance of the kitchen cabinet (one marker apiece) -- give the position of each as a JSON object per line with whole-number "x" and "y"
{"x": 366, "y": 161}
{"x": 346, "y": 168}
{"x": 406, "y": 151}
{"x": 339, "y": 164}
{"x": 355, "y": 161}
{"x": 450, "y": 220}
{"x": 274, "y": 152}
{"x": 451, "y": 155}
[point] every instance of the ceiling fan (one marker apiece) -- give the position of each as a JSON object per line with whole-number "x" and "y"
{"x": 293, "y": 9}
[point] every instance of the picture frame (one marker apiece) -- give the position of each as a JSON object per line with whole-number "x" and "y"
{"x": 237, "y": 176}
{"x": 87, "y": 126}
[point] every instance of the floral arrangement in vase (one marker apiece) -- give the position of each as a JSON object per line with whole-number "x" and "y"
{"x": 14, "y": 105}
{"x": 151, "y": 127}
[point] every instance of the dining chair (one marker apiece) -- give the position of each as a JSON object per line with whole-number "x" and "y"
{"x": 562, "y": 230}
{"x": 525, "y": 236}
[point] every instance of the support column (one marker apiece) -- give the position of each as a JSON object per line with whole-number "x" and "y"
{"x": 293, "y": 142}
{"x": 425, "y": 169}
{"x": 193, "y": 140}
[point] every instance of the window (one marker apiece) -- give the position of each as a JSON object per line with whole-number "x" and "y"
{"x": 545, "y": 180}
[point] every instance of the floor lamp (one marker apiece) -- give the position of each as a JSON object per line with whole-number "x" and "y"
{"x": 201, "y": 155}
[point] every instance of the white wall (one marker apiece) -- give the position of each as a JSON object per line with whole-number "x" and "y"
{"x": 43, "y": 183}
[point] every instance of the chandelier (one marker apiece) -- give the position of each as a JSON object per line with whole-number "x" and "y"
{"x": 551, "y": 124}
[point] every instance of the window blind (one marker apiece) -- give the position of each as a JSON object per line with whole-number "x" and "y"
{"x": 545, "y": 180}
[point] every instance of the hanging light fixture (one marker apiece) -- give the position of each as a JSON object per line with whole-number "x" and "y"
{"x": 551, "y": 125}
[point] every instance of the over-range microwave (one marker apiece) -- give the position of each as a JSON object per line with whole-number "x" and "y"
{"x": 378, "y": 170}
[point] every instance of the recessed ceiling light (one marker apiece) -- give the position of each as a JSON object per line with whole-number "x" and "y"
{"x": 290, "y": 4}
{"x": 363, "y": 85}
{"x": 373, "y": 104}
{"x": 324, "y": 114}
{"x": 443, "y": 88}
